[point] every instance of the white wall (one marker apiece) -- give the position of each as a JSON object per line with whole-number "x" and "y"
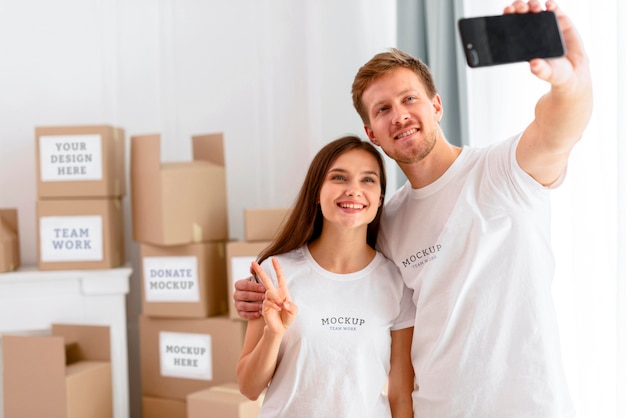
{"x": 274, "y": 76}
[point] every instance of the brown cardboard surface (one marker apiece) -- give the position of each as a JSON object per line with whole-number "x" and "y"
{"x": 9, "y": 240}
{"x": 94, "y": 341}
{"x": 223, "y": 401}
{"x": 184, "y": 281}
{"x": 34, "y": 376}
{"x": 43, "y": 379}
{"x": 263, "y": 224}
{"x": 89, "y": 389}
{"x": 163, "y": 408}
{"x": 178, "y": 202}
{"x": 55, "y": 215}
{"x": 68, "y": 155}
{"x": 239, "y": 255}
{"x": 179, "y": 340}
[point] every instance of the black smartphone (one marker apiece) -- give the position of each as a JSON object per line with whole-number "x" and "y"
{"x": 509, "y": 38}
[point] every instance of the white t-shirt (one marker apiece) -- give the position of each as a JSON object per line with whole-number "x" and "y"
{"x": 334, "y": 359}
{"x": 475, "y": 248}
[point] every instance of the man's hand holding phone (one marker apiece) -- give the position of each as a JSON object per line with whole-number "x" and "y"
{"x": 524, "y": 32}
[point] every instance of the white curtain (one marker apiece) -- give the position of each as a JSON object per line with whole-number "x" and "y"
{"x": 589, "y": 226}
{"x": 590, "y": 280}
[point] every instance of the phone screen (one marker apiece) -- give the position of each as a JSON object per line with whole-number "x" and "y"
{"x": 509, "y": 38}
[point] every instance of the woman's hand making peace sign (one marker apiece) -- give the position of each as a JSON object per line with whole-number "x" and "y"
{"x": 279, "y": 310}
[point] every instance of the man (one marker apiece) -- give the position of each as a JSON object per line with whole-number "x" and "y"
{"x": 470, "y": 232}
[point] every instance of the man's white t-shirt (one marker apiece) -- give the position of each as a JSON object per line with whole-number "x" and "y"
{"x": 475, "y": 248}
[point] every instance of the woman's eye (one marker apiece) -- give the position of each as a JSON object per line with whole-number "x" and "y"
{"x": 338, "y": 177}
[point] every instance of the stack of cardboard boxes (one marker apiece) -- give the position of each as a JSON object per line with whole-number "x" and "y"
{"x": 190, "y": 334}
{"x": 80, "y": 183}
{"x": 188, "y": 343}
{"x": 64, "y": 374}
{"x": 225, "y": 400}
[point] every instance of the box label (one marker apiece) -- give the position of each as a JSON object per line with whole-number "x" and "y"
{"x": 71, "y": 238}
{"x": 70, "y": 157}
{"x": 240, "y": 267}
{"x": 171, "y": 279}
{"x": 185, "y": 355}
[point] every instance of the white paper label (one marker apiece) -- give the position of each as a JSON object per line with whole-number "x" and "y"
{"x": 240, "y": 267}
{"x": 186, "y": 355}
{"x": 70, "y": 157}
{"x": 171, "y": 279}
{"x": 71, "y": 238}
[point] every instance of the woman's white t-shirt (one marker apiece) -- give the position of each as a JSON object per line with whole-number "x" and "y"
{"x": 334, "y": 359}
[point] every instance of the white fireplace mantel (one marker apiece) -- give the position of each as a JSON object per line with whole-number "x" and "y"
{"x": 31, "y": 300}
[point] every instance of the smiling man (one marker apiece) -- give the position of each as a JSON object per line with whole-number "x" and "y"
{"x": 486, "y": 342}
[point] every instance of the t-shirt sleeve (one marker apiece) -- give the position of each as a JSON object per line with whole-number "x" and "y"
{"x": 406, "y": 317}
{"x": 505, "y": 181}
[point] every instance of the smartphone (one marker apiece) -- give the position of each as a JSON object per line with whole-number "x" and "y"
{"x": 509, "y": 38}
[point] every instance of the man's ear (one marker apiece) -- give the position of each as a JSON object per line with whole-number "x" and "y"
{"x": 438, "y": 107}
{"x": 370, "y": 135}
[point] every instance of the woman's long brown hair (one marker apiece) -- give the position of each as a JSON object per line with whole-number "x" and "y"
{"x": 304, "y": 224}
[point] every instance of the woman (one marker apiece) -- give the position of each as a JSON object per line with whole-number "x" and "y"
{"x": 335, "y": 336}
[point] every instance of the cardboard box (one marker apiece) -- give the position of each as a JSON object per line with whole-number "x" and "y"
{"x": 179, "y": 202}
{"x": 80, "y": 234}
{"x": 186, "y": 281}
{"x": 163, "y": 408}
{"x": 64, "y": 375}
{"x": 263, "y": 224}
{"x": 181, "y": 356}
{"x": 80, "y": 161}
{"x": 239, "y": 255}
{"x": 223, "y": 401}
{"x": 9, "y": 240}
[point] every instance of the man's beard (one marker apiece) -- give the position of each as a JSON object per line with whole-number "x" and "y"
{"x": 416, "y": 152}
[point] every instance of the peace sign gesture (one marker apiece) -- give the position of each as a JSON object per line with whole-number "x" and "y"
{"x": 279, "y": 310}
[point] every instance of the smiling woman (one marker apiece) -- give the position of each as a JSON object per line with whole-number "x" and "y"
{"x": 332, "y": 299}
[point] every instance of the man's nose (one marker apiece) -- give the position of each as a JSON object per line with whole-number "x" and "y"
{"x": 400, "y": 114}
